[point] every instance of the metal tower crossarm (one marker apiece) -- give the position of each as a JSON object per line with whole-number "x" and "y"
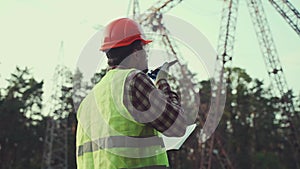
{"x": 160, "y": 7}
{"x": 288, "y": 12}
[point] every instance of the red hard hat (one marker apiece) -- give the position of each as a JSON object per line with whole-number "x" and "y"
{"x": 122, "y": 32}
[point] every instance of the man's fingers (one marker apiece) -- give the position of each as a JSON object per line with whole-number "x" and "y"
{"x": 165, "y": 66}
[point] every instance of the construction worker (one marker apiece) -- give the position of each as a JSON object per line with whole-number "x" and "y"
{"x": 121, "y": 120}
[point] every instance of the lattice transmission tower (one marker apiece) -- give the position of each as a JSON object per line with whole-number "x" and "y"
{"x": 153, "y": 18}
{"x": 209, "y": 150}
{"x": 55, "y": 155}
{"x": 274, "y": 68}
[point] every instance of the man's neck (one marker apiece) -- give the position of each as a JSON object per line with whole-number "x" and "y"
{"x": 125, "y": 67}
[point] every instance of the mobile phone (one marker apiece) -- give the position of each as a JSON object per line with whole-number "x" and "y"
{"x": 153, "y": 73}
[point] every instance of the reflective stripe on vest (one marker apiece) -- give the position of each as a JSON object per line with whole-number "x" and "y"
{"x": 119, "y": 141}
{"x": 151, "y": 167}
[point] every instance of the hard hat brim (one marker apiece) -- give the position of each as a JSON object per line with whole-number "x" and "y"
{"x": 124, "y": 42}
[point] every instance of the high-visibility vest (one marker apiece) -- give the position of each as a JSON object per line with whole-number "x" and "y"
{"x": 107, "y": 135}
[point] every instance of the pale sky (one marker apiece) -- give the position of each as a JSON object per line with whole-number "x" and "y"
{"x": 31, "y": 32}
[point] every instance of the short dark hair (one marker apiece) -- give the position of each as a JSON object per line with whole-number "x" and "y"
{"x": 116, "y": 55}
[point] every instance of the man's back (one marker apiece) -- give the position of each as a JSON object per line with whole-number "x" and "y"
{"x": 108, "y": 136}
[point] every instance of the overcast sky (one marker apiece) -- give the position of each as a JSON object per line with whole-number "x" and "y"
{"x": 31, "y": 32}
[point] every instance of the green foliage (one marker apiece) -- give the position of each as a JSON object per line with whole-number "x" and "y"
{"x": 266, "y": 160}
{"x": 98, "y": 76}
{"x": 250, "y": 129}
{"x": 20, "y": 112}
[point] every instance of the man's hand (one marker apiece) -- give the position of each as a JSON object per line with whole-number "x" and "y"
{"x": 163, "y": 72}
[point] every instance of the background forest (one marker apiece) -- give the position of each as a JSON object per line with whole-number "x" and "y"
{"x": 250, "y": 129}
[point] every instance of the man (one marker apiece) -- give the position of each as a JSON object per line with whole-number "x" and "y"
{"x": 120, "y": 121}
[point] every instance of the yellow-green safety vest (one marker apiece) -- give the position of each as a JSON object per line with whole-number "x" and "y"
{"x": 107, "y": 135}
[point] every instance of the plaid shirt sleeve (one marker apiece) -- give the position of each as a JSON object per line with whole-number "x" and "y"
{"x": 157, "y": 107}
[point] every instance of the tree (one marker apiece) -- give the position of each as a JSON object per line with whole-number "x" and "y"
{"x": 20, "y": 111}
{"x": 249, "y": 123}
{"x": 249, "y": 127}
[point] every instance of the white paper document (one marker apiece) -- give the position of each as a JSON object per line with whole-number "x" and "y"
{"x": 174, "y": 143}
